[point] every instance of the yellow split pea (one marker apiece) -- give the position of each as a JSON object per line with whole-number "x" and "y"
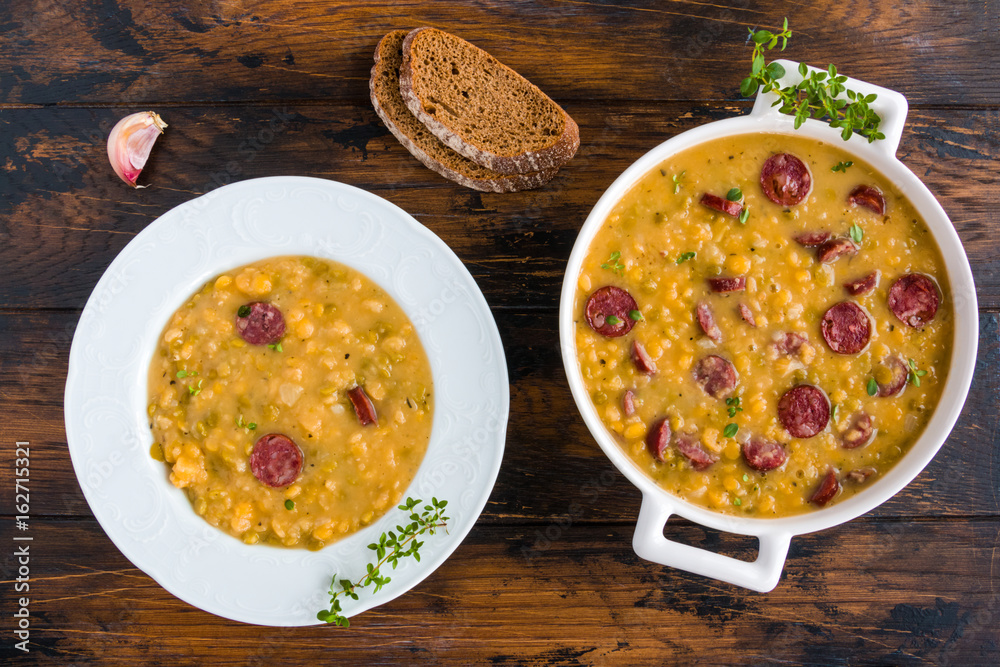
{"x": 661, "y": 244}
{"x": 212, "y": 395}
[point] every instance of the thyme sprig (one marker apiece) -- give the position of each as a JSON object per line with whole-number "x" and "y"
{"x": 614, "y": 263}
{"x": 914, "y": 374}
{"x": 390, "y": 548}
{"x": 816, "y": 96}
{"x": 734, "y": 405}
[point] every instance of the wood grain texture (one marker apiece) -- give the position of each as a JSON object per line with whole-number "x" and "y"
{"x": 109, "y": 52}
{"x": 64, "y": 216}
{"x": 547, "y": 576}
{"x": 503, "y": 597}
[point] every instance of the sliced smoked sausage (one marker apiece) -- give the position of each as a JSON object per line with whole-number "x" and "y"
{"x": 890, "y": 377}
{"x": 658, "y": 438}
{"x": 725, "y": 284}
{"x": 914, "y": 299}
{"x": 846, "y": 328}
{"x": 721, "y": 204}
{"x": 789, "y": 343}
{"x": 747, "y": 315}
{"x": 628, "y": 403}
{"x": 804, "y": 410}
{"x": 692, "y": 450}
{"x": 863, "y": 285}
{"x": 260, "y": 323}
{"x": 861, "y": 431}
{"x": 762, "y": 454}
{"x": 642, "y": 360}
{"x": 834, "y": 248}
{"x": 614, "y": 304}
{"x": 363, "y": 406}
{"x": 276, "y": 461}
{"x": 869, "y": 197}
{"x": 827, "y": 489}
{"x": 785, "y": 179}
{"x": 716, "y": 375}
{"x": 706, "y": 320}
{"x": 812, "y": 239}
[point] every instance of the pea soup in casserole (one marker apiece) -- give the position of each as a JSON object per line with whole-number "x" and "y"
{"x": 764, "y": 324}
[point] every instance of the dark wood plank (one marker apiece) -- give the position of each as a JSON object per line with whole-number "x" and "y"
{"x": 582, "y": 596}
{"x": 64, "y": 215}
{"x": 137, "y": 53}
{"x": 552, "y": 467}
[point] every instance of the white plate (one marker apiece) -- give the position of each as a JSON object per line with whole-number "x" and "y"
{"x": 152, "y": 522}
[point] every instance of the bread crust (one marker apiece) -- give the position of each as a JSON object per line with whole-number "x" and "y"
{"x": 554, "y": 155}
{"x": 391, "y": 112}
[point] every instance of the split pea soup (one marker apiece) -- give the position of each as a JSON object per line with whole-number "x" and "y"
{"x": 763, "y": 324}
{"x": 291, "y": 400}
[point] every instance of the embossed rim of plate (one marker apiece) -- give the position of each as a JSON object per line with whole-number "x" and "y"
{"x": 149, "y": 520}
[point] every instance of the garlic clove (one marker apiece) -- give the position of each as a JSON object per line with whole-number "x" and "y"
{"x": 130, "y": 143}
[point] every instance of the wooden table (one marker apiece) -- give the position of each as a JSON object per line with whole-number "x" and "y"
{"x": 916, "y": 580}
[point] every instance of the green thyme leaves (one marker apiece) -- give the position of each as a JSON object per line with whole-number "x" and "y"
{"x": 734, "y": 405}
{"x": 913, "y": 377}
{"x": 193, "y": 388}
{"x": 817, "y": 96}
{"x": 390, "y": 549}
{"x": 247, "y": 425}
{"x": 685, "y": 257}
{"x": 857, "y": 233}
{"x": 613, "y": 263}
{"x": 764, "y": 40}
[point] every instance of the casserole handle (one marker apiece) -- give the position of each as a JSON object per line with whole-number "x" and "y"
{"x": 889, "y": 105}
{"x": 649, "y": 543}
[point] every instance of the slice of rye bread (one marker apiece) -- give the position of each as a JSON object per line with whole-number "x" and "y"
{"x": 481, "y": 108}
{"x": 417, "y": 139}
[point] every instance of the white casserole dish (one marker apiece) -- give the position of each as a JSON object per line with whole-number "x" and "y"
{"x": 774, "y": 535}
